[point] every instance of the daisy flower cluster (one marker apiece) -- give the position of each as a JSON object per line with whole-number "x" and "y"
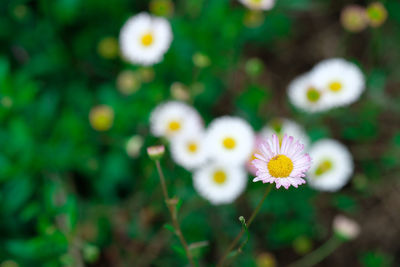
{"x": 331, "y": 83}
{"x": 219, "y": 155}
{"x": 215, "y": 155}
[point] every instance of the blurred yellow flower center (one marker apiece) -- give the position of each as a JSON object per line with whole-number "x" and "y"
{"x": 335, "y": 86}
{"x": 147, "y": 39}
{"x": 313, "y": 94}
{"x": 192, "y": 147}
{"x": 324, "y": 167}
{"x": 229, "y": 143}
{"x": 280, "y": 166}
{"x": 174, "y": 126}
{"x": 219, "y": 177}
{"x": 256, "y": 1}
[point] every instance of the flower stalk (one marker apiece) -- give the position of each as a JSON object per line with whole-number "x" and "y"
{"x": 237, "y": 238}
{"x": 320, "y": 253}
{"x": 171, "y": 204}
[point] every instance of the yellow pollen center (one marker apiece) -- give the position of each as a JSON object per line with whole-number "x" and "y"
{"x": 335, "y": 86}
{"x": 313, "y": 94}
{"x": 280, "y": 166}
{"x": 174, "y": 126}
{"x": 324, "y": 167}
{"x": 147, "y": 39}
{"x": 229, "y": 143}
{"x": 192, "y": 147}
{"x": 219, "y": 177}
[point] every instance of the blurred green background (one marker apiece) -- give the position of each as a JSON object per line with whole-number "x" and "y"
{"x": 72, "y": 196}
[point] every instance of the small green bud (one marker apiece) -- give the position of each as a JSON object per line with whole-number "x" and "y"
{"x": 201, "y": 60}
{"x": 377, "y": 14}
{"x": 254, "y": 67}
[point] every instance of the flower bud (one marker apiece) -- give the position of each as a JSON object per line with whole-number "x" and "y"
{"x": 345, "y": 228}
{"x": 253, "y": 18}
{"x": 377, "y": 14}
{"x": 146, "y": 74}
{"x": 156, "y": 152}
{"x": 128, "y": 82}
{"x": 179, "y": 91}
{"x": 354, "y": 18}
{"x": 134, "y": 145}
{"x": 302, "y": 245}
{"x": 254, "y": 67}
{"x": 90, "y": 253}
{"x": 101, "y": 117}
{"x": 266, "y": 260}
{"x": 201, "y": 60}
{"x": 163, "y": 8}
{"x": 108, "y": 48}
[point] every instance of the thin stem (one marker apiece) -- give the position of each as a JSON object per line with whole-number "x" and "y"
{"x": 171, "y": 204}
{"x": 162, "y": 180}
{"x": 237, "y": 238}
{"x": 319, "y": 254}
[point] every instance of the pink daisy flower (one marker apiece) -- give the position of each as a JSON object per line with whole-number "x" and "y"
{"x": 282, "y": 163}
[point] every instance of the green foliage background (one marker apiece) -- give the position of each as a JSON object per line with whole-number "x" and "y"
{"x": 69, "y": 194}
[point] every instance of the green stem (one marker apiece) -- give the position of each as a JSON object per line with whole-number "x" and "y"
{"x": 319, "y": 254}
{"x": 171, "y": 204}
{"x": 253, "y": 215}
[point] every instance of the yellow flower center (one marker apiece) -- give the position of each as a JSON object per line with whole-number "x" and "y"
{"x": 335, "y": 86}
{"x": 323, "y": 167}
{"x": 147, "y": 39}
{"x": 280, "y": 166}
{"x": 192, "y": 147}
{"x": 229, "y": 143}
{"x": 313, "y": 94}
{"x": 174, "y": 126}
{"x": 219, "y": 177}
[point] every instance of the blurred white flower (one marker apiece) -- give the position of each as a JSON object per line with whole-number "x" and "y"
{"x": 304, "y": 95}
{"x": 341, "y": 81}
{"x": 332, "y": 165}
{"x": 345, "y": 227}
{"x": 220, "y": 184}
{"x": 174, "y": 119}
{"x": 144, "y": 39}
{"x": 230, "y": 140}
{"x": 189, "y": 150}
{"x": 281, "y": 126}
{"x": 258, "y": 4}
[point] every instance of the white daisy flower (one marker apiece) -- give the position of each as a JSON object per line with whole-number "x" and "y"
{"x": 173, "y": 118}
{"x": 332, "y": 166}
{"x": 258, "y": 4}
{"x": 189, "y": 150}
{"x": 229, "y": 140}
{"x": 304, "y": 95}
{"x": 144, "y": 39}
{"x": 281, "y": 126}
{"x": 220, "y": 184}
{"x": 283, "y": 163}
{"x": 342, "y": 80}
